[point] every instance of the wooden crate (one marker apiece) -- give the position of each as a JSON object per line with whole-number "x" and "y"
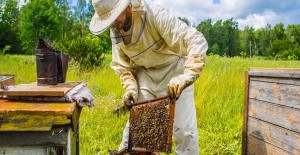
{"x": 151, "y": 124}
{"x": 39, "y": 128}
{"x": 271, "y": 112}
{"x": 6, "y": 80}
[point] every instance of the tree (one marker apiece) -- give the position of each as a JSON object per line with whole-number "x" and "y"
{"x": 217, "y": 35}
{"x": 205, "y": 27}
{"x": 84, "y": 12}
{"x": 248, "y": 39}
{"x": 278, "y": 32}
{"x": 9, "y": 27}
{"x": 39, "y": 19}
{"x": 66, "y": 16}
{"x": 86, "y": 49}
{"x": 263, "y": 40}
{"x": 231, "y": 37}
{"x": 185, "y": 20}
{"x": 293, "y": 33}
{"x": 215, "y": 49}
{"x": 279, "y": 47}
{"x": 222, "y": 34}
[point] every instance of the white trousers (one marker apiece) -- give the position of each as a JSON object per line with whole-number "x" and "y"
{"x": 185, "y": 124}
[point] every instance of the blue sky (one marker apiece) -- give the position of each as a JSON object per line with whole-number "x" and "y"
{"x": 216, "y": 1}
{"x": 256, "y": 13}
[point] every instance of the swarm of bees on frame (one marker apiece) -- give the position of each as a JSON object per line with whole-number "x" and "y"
{"x": 149, "y": 124}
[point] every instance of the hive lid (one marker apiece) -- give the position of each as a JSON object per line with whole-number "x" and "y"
{"x": 33, "y": 89}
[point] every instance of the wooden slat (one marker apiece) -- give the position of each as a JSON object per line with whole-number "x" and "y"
{"x": 279, "y": 115}
{"x": 275, "y": 72}
{"x": 75, "y": 119}
{"x": 283, "y": 94}
{"x": 275, "y": 135}
{"x": 32, "y": 150}
{"x": 32, "y": 122}
{"x": 244, "y": 132}
{"x": 73, "y": 142}
{"x": 34, "y": 90}
{"x": 33, "y": 108}
{"x": 39, "y": 138}
{"x": 257, "y": 146}
{"x": 30, "y": 116}
{"x": 288, "y": 81}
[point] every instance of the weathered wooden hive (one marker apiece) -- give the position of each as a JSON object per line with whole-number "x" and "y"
{"x": 6, "y": 80}
{"x": 272, "y": 112}
{"x": 151, "y": 124}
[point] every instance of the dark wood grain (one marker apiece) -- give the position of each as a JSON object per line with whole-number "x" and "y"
{"x": 283, "y": 94}
{"x": 280, "y": 137}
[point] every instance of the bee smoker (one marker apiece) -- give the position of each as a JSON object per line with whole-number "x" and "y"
{"x": 51, "y": 65}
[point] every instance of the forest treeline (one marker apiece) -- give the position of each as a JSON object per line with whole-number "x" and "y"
{"x": 65, "y": 25}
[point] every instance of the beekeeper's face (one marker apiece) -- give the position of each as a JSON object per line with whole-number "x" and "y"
{"x": 122, "y": 19}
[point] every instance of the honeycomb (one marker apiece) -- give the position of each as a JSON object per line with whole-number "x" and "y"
{"x": 151, "y": 126}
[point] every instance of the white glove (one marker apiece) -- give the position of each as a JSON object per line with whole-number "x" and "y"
{"x": 129, "y": 83}
{"x": 193, "y": 67}
{"x": 130, "y": 97}
{"x": 178, "y": 84}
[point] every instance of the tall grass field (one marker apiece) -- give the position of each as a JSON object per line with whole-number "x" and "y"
{"x": 219, "y": 99}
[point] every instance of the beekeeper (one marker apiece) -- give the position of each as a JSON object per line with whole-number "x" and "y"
{"x": 155, "y": 54}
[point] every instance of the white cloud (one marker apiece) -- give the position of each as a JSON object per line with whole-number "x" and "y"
{"x": 259, "y": 20}
{"x": 197, "y": 11}
{"x": 256, "y": 13}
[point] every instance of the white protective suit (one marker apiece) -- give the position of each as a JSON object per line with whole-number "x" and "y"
{"x": 157, "y": 48}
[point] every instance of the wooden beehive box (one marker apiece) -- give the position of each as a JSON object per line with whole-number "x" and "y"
{"x": 35, "y": 128}
{"x": 271, "y": 112}
{"x": 6, "y": 80}
{"x": 151, "y": 124}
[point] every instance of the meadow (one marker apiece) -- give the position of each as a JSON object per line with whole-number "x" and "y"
{"x": 219, "y": 99}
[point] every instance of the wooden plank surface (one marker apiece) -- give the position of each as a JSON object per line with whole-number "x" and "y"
{"x": 283, "y": 94}
{"x": 280, "y": 137}
{"x": 257, "y": 146}
{"x": 275, "y": 72}
{"x": 32, "y": 122}
{"x": 272, "y": 111}
{"x": 41, "y": 138}
{"x": 34, "y": 108}
{"x": 285, "y": 117}
{"x": 28, "y": 150}
{"x": 31, "y": 116}
{"x": 288, "y": 81}
{"x": 34, "y": 90}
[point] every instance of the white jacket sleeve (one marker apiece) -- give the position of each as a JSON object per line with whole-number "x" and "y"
{"x": 124, "y": 68}
{"x": 182, "y": 39}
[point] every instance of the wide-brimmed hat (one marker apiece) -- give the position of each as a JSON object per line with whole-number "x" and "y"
{"x": 106, "y": 12}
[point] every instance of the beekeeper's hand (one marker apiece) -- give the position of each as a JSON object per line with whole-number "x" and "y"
{"x": 178, "y": 84}
{"x": 130, "y": 97}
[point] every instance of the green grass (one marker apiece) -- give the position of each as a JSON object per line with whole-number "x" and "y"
{"x": 219, "y": 98}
